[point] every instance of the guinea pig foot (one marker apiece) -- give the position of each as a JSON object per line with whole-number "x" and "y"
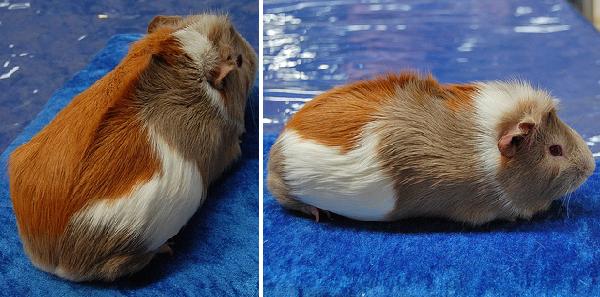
{"x": 315, "y": 212}
{"x": 165, "y": 249}
{"x": 311, "y": 210}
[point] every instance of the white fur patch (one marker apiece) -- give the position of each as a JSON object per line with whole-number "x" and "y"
{"x": 198, "y": 47}
{"x": 215, "y": 98}
{"x": 350, "y": 184}
{"x": 159, "y": 208}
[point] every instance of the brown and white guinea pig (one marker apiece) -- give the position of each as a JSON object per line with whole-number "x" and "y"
{"x": 99, "y": 191}
{"x": 404, "y": 145}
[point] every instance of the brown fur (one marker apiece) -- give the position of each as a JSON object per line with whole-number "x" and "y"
{"x": 97, "y": 148}
{"x": 430, "y": 153}
{"x": 100, "y": 252}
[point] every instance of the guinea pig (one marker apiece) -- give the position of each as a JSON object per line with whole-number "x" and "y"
{"x": 404, "y": 145}
{"x": 99, "y": 191}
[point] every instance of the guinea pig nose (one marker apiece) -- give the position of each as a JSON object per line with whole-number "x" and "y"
{"x": 591, "y": 167}
{"x": 239, "y": 61}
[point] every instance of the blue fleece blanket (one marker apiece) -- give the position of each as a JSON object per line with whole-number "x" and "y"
{"x": 555, "y": 254}
{"x": 216, "y": 254}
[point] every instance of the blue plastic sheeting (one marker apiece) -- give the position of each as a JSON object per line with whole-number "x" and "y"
{"x": 215, "y": 254}
{"x": 313, "y": 46}
{"x": 44, "y": 42}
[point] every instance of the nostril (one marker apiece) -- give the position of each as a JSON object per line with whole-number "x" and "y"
{"x": 239, "y": 61}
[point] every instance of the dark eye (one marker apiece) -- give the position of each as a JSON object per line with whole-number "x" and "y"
{"x": 239, "y": 61}
{"x": 556, "y": 150}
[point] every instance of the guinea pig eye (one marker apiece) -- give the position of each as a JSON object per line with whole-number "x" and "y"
{"x": 556, "y": 150}
{"x": 239, "y": 61}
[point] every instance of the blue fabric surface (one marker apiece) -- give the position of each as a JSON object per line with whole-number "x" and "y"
{"x": 311, "y": 47}
{"x": 216, "y": 254}
{"x": 555, "y": 254}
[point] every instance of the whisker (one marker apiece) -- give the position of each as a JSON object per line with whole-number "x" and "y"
{"x": 562, "y": 204}
{"x": 568, "y": 203}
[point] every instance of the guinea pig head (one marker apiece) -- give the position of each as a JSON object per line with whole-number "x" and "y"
{"x": 542, "y": 158}
{"x": 221, "y": 55}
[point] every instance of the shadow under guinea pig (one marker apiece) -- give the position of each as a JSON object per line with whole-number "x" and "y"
{"x": 560, "y": 216}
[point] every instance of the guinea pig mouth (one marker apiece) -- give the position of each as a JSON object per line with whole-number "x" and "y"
{"x": 577, "y": 182}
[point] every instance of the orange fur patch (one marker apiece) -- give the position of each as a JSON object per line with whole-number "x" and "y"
{"x": 460, "y": 96}
{"x": 95, "y": 148}
{"x": 336, "y": 117}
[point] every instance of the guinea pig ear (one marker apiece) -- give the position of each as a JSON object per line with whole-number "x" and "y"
{"x": 160, "y": 21}
{"x": 511, "y": 139}
{"x": 220, "y": 72}
{"x": 169, "y": 52}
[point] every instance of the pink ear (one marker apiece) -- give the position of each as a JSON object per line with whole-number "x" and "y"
{"x": 508, "y": 145}
{"x": 219, "y": 73}
{"x": 511, "y": 140}
{"x": 526, "y": 127}
{"x": 160, "y": 21}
